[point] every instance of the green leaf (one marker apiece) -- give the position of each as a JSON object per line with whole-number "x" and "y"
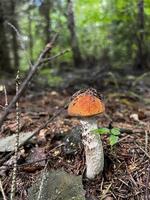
{"x": 115, "y": 131}
{"x": 113, "y": 139}
{"x": 102, "y": 131}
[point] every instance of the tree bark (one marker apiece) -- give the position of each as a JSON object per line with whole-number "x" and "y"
{"x": 73, "y": 37}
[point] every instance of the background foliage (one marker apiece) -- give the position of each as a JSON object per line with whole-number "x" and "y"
{"x": 107, "y": 33}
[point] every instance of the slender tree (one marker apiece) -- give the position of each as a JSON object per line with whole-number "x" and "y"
{"x": 141, "y": 58}
{"x": 73, "y": 37}
{"x": 5, "y": 64}
{"x": 45, "y": 10}
{"x": 13, "y": 19}
{"x": 30, "y": 33}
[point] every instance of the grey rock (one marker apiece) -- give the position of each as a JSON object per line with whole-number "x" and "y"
{"x": 8, "y": 143}
{"x": 58, "y": 185}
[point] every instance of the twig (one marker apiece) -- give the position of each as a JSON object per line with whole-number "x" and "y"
{"x": 55, "y": 56}
{"x": 124, "y": 138}
{"x": 146, "y": 140}
{"x": 13, "y": 186}
{"x": 31, "y": 73}
{"x": 106, "y": 191}
{"x": 17, "y": 32}
{"x": 44, "y": 173}
{"x": 5, "y": 94}
{"x": 124, "y": 183}
{"x": 6, "y": 99}
{"x": 2, "y": 190}
{"x": 143, "y": 150}
{"x": 20, "y": 38}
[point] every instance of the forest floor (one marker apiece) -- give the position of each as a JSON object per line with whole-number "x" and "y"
{"x": 127, "y": 164}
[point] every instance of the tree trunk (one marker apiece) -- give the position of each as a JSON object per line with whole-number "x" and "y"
{"x": 14, "y": 35}
{"x": 5, "y": 64}
{"x": 30, "y": 34}
{"x": 45, "y": 10}
{"x": 141, "y": 58}
{"x": 73, "y": 38}
{"x": 47, "y": 21}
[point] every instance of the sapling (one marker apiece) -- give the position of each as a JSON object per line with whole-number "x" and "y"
{"x": 113, "y": 134}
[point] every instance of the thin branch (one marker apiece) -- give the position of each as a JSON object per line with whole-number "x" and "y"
{"x": 55, "y": 56}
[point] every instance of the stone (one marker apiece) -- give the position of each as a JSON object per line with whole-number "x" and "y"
{"x": 59, "y": 185}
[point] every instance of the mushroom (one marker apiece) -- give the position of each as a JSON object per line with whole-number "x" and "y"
{"x": 87, "y": 104}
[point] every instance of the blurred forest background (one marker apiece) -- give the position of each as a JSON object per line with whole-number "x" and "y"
{"x": 105, "y": 37}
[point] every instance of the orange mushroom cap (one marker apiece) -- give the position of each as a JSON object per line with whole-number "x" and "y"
{"x": 86, "y": 103}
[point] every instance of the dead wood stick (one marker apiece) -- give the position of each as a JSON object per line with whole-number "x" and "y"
{"x": 31, "y": 72}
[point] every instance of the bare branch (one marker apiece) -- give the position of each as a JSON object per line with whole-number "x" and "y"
{"x": 31, "y": 73}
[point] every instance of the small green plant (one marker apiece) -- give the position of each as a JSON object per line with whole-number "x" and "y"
{"x": 113, "y": 134}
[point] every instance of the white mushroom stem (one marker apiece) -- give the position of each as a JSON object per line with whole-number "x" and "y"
{"x": 93, "y": 148}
